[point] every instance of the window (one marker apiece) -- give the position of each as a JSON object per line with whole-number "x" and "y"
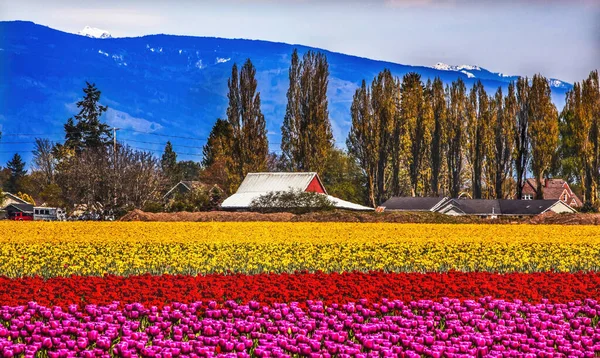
{"x": 527, "y": 196}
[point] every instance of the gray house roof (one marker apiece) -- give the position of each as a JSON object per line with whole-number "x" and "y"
{"x": 411, "y": 203}
{"x": 501, "y": 207}
{"x": 24, "y": 208}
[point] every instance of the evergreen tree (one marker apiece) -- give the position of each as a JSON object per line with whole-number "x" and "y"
{"x": 16, "y": 166}
{"x": 438, "y": 103}
{"x": 521, "y": 134}
{"x": 218, "y": 143}
{"x": 307, "y": 138}
{"x": 453, "y": 134}
{"x": 249, "y": 149}
{"x": 543, "y": 120}
{"x": 168, "y": 164}
{"x": 87, "y": 131}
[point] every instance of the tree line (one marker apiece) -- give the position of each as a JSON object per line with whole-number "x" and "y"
{"x": 408, "y": 137}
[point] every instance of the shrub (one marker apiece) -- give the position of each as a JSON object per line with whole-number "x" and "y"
{"x": 295, "y": 201}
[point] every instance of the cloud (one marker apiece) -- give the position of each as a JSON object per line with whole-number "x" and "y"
{"x": 121, "y": 119}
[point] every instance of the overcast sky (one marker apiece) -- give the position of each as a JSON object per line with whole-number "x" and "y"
{"x": 559, "y": 39}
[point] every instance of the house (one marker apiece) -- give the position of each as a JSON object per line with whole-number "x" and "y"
{"x": 492, "y": 208}
{"x": 408, "y": 203}
{"x": 8, "y": 198}
{"x": 186, "y": 186}
{"x": 258, "y": 184}
{"x": 554, "y": 189}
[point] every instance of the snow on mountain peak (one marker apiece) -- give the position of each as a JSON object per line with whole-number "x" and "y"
{"x": 445, "y": 67}
{"x": 95, "y": 33}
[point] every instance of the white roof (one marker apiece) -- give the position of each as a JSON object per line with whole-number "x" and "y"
{"x": 257, "y": 184}
{"x": 265, "y": 182}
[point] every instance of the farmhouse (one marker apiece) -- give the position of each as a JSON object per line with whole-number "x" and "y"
{"x": 486, "y": 208}
{"x": 554, "y": 189}
{"x": 258, "y": 184}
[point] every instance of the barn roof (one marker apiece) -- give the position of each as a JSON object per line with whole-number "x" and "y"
{"x": 265, "y": 182}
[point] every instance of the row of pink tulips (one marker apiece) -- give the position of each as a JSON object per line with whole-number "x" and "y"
{"x": 446, "y": 328}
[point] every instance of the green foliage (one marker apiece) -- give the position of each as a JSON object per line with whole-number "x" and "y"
{"x": 189, "y": 170}
{"x": 343, "y": 178}
{"x": 295, "y": 201}
{"x": 218, "y": 143}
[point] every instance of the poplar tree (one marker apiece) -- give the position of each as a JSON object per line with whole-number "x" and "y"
{"x": 503, "y": 128}
{"x": 477, "y": 109}
{"x": 307, "y": 138}
{"x": 249, "y": 149}
{"x": 439, "y": 117}
{"x": 291, "y": 136}
{"x": 391, "y": 132}
{"x": 415, "y": 115}
{"x": 453, "y": 134}
{"x": 364, "y": 138}
{"x": 543, "y": 119}
{"x": 580, "y": 134}
{"x": 521, "y": 134}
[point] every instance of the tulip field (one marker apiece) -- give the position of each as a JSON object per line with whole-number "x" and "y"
{"x": 260, "y": 289}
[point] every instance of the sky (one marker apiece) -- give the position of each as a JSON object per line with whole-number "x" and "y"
{"x": 558, "y": 38}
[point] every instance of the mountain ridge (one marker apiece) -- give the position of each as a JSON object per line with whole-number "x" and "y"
{"x": 169, "y": 84}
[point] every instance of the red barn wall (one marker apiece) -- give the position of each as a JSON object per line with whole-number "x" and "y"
{"x": 315, "y": 186}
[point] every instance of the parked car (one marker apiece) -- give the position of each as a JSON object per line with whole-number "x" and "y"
{"x": 19, "y": 216}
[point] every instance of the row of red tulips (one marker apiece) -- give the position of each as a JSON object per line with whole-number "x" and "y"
{"x": 268, "y": 288}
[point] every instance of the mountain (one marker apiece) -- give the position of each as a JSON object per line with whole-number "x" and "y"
{"x": 166, "y": 87}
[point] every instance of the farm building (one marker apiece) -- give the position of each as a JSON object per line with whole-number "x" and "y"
{"x": 258, "y": 184}
{"x": 487, "y": 208}
{"x": 8, "y": 198}
{"x": 554, "y": 189}
{"x": 186, "y": 186}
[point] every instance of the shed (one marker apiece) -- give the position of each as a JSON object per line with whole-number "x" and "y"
{"x": 258, "y": 184}
{"x": 186, "y": 186}
{"x": 493, "y": 208}
{"x": 15, "y": 208}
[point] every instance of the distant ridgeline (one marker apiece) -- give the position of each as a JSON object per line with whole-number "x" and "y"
{"x": 172, "y": 85}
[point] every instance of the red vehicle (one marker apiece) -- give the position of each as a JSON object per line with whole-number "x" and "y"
{"x": 19, "y": 216}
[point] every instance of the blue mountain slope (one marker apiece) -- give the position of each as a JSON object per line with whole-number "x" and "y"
{"x": 168, "y": 85}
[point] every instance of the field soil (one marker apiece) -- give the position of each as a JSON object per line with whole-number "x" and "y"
{"x": 354, "y": 216}
{"x": 327, "y": 216}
